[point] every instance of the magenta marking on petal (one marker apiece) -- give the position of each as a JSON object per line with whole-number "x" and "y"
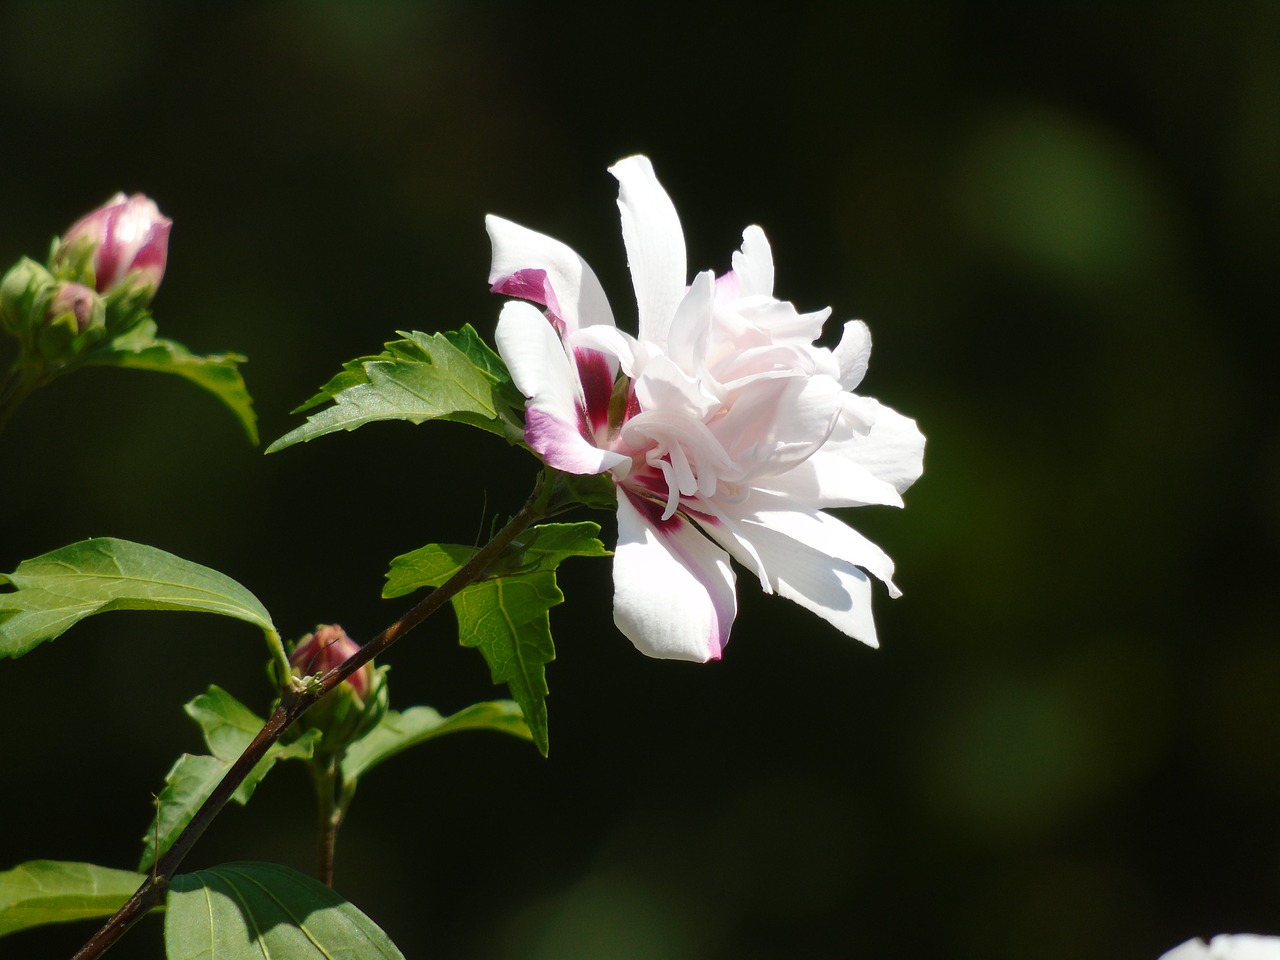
{"x": 526, "y": 284}
{"x": 597, "y": 386}
{"x": 531, "y": 284}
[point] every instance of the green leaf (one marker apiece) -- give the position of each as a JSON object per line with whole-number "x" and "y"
{"x": 507, "y": 621}
{"x": 219, "y": 373}
{"x": 228, "y": 727}
{"x": 55, "y": 891}
{"x": 248, "y": 911}
{"x": 505, "y": 616}
{"x": 423, "y": 377}
{"x": 543, "y": 547}
{"x": 53, "y": 592}
{"x": 400, "y": 731}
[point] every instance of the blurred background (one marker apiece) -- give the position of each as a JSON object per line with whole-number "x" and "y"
{"x": 1062, "y": 223}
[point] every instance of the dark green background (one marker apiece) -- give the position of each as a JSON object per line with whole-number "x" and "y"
{"x": 1062, "y": 226}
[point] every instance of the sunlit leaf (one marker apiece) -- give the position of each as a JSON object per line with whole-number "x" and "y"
{"x": 250, "y": 911}
{"x": 400, "y": 731}
{"x": 53, "y": 592}
{"x": 228, "y": 727}
{"x": 423, "y": 377}
{"x": 505, "y": 616}
{"x": 219, "y": 373}
{"x": 543, "y": 547}
{"x": 53, "y": 891}
{"x": 507, "y": 621}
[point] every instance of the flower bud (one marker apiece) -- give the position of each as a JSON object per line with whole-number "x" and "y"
{"x": 354, "y": 707}
{"x": 74, "y": 321}
{"x": 326, "y": 648}
{"x": 25, "y": 293}
{"x": 127, "y": 238}
{"x": 78, "y": 302}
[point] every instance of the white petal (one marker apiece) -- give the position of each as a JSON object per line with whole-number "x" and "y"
{"x": 754, "y": 264}
{"x": 853, "y": 353}
{"x": 580, "y": 298}
{"x": 838, "y": 592}
{"x": 830, "y": 480}
{"x": 687, "y": 338}
{"x": 655, "y": 246}
{"x": 673, "y": 588}
{"x": 893, "y": 451}
{"x": 554, "y": 425}
{"x": 1225, "y": 946}
{"x": 816, "y": 530}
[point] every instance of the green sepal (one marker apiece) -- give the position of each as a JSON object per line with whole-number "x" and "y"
{"x": 248, "y": 911}
{"x": 56, "y": 590}
{"x": 342, "y": 717}
{"x": 140, "y": 349}
{"x": 228, "y": 727}
{"x": 41, "y": 892}
{"x": 442, "y": 376}
{"x": 400, "y": 731}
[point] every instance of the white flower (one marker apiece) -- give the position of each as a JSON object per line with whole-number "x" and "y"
{"x": 725, "y": 428}
{"x": 1226, "y": 946}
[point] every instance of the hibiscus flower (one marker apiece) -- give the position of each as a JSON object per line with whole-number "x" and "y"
{"x": 727, "y": 431}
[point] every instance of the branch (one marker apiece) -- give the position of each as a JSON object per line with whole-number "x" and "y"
{"x": 295, "y": 703}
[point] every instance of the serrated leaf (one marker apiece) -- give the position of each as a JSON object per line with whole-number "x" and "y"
{"x": 400, "y": 731}
{"x": 39, "y": 892}
{"x": 248, "y": 911}
{"x": 54, "y": 591}
{"x": 228, "y": 727}
{"x": 219, "y": 373}
{"x": 423, "y": 377}
{"x": 507, "y": 621}
{"x": 543, "y": 547}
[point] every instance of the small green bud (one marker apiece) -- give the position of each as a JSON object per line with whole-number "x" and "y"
{"x": 354, "y": 707}
{"x": 25, "y": 293}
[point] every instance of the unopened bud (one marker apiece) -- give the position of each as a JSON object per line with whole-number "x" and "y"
{"x": 353, "y": 708}
{"x": 329, "y": 647}
{"x": 78, "y": 302}
{"x": 127, "y": 238}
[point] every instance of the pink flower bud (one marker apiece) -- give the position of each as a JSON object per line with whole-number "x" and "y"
{"x": 128, "y": 235}
{"x": 78, "y": 301}
{"x": 327, "y": 648}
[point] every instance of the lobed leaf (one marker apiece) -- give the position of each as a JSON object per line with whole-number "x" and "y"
{"x": 397, "y": 732}
{"x": 422, "y": 377}
{"x": 248, "y": 911}
{"x": 228, "y": 727}
{"x": 507, "y": 621}
{"x": 543, "y": 547}
{"x": 53, "y": 592}
{"x": 506, "y": 616}
{"x": 39, "y": 892}
{"x": 219, "y": 373}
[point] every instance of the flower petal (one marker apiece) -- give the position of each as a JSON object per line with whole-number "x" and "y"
{"x": 555, "y": 424}
{"x": 673, "y": 588}
{"x": 655, "y": 246}
{"x": 853, "y": 353}
{"x": 519, "y": 252}
{"x": 893, "y": 450}
{"x": 753, "y": 265}
{"x": 837, "y": 591}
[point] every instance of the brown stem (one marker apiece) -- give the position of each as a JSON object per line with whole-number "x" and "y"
{"x": 293, "y": 705}
{"x": 328, "y": 814}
